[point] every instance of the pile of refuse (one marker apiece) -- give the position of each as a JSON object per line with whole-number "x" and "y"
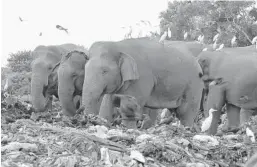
{"x": 54, "y": 140}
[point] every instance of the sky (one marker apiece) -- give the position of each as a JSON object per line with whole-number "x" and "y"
{"x": 86, "y": 20}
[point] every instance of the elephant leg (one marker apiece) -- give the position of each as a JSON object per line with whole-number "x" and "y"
{"x": 107, "y": 108}
{"x": 49, "y": 104}
{"x": 215, "y": 100}
{"x": 245, "y": 115}
{"x": 152, "y": 113}
{"x": 233, "y": 115}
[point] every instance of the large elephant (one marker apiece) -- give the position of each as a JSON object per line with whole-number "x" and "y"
{"x": 234, "y": 83}
{"x": 156, "y": 75}
{"x": 44, "y": 73}
{"x": 70, "y": 79}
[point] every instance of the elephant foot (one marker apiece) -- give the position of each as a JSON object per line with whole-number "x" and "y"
{"x": 230, "y": 129}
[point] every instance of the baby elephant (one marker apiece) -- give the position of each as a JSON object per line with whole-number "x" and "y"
{"x": 129, "y": 109}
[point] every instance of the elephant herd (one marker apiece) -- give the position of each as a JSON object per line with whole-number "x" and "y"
{"x": 142, "y": 75}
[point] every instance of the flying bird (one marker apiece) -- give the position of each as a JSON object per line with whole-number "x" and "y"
{"x": 233, "y": 41}
{"x": 185, "y": 35}
{"x": 220, "y": 47}
{"x": 215, "y": 38}
{"x": 163, "y": 37}
{"x": 62, "y": 28}
{"x": 21, "y": 19}
{"x": 169, "y": 33}
{"x": 207, "y": 122}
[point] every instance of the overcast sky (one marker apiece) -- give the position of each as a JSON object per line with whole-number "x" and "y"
{"x": 87, "y": 21}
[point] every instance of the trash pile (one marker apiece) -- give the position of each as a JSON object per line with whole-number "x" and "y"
{"x": 54, "y": 140}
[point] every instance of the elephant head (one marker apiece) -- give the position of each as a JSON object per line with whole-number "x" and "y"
{"x": 44, "y": 67}
{"x": 129, "y": 109}
{"x": 71, "y": 77}
{"x": 107, "y": 71}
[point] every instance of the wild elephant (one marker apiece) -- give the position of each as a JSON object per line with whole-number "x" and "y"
{"x": 71, "y": 73}
{"x": 70, "y": 80}
{"x": 44, "y": 73}
{"x": 234, "y": 83}
{"x": 156, "y": 75}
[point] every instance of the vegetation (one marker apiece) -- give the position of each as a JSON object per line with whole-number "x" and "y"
{"x": 229, "y": 18}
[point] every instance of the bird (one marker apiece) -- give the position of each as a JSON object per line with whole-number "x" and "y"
{"x": 163, "y": 37}
{"x": 220, "y": 47}
{"x": 21, "y": 19}
{"x": 250, "y": 134}
{"x": 233, "y": 41}
{"x": 207, "y": 122}
{"x": 254, "y": 40}
{"x": 169, "y": 33}
{"x": 200, "y": 38}
{"x": 62, "y": 28}
{"x": 214, "y": 46}
{"x": 185, "y": 35}
{"x": 6, "y": 84}
{"x": 215, "y": 38}
{"x": 205, "y": 49}
{"x": 40, "y": 34}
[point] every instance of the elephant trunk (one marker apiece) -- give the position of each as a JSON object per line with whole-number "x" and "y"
{"x": 38, "y": 82}
{"x": 66, "y": 91}
{"x": 66, "y": 99}
{"x": 91, "y": 95}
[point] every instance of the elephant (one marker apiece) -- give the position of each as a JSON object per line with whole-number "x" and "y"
{"x": 232, "y": 82}
{"x": 70, "y": 80}
{"x": 44, "y": 73}
{"x": 156, "y": 75}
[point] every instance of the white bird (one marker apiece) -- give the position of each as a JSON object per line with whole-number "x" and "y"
{"x": 165, "y": 113}
{"x": 205, "y": 49}
{"x": 185, "y": 35}
{"x": 215, "y": 38}
{"x": 201, "y": 39}
{"x": 207, "y": 122}
{"x": 220, "y": 47}
{"x": 250, "y": 134}
{"x": 214, "y": 46}
{"x": 6, "y": 84}
{"x": 163, "y": 37}
{"x": 254, "y": 40}
{"x": 169, "y": 33}
{"x": 233, "y": 41}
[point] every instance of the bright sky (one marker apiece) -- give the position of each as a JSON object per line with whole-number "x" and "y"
{"x": 87, "y": 21}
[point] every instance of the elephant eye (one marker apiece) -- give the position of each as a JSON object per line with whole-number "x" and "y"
{"x": 104, "y": 71}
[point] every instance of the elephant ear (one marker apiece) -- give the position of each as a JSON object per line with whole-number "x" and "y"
{"x": 56, "y": 66}
{"x": 128, "y": 67}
